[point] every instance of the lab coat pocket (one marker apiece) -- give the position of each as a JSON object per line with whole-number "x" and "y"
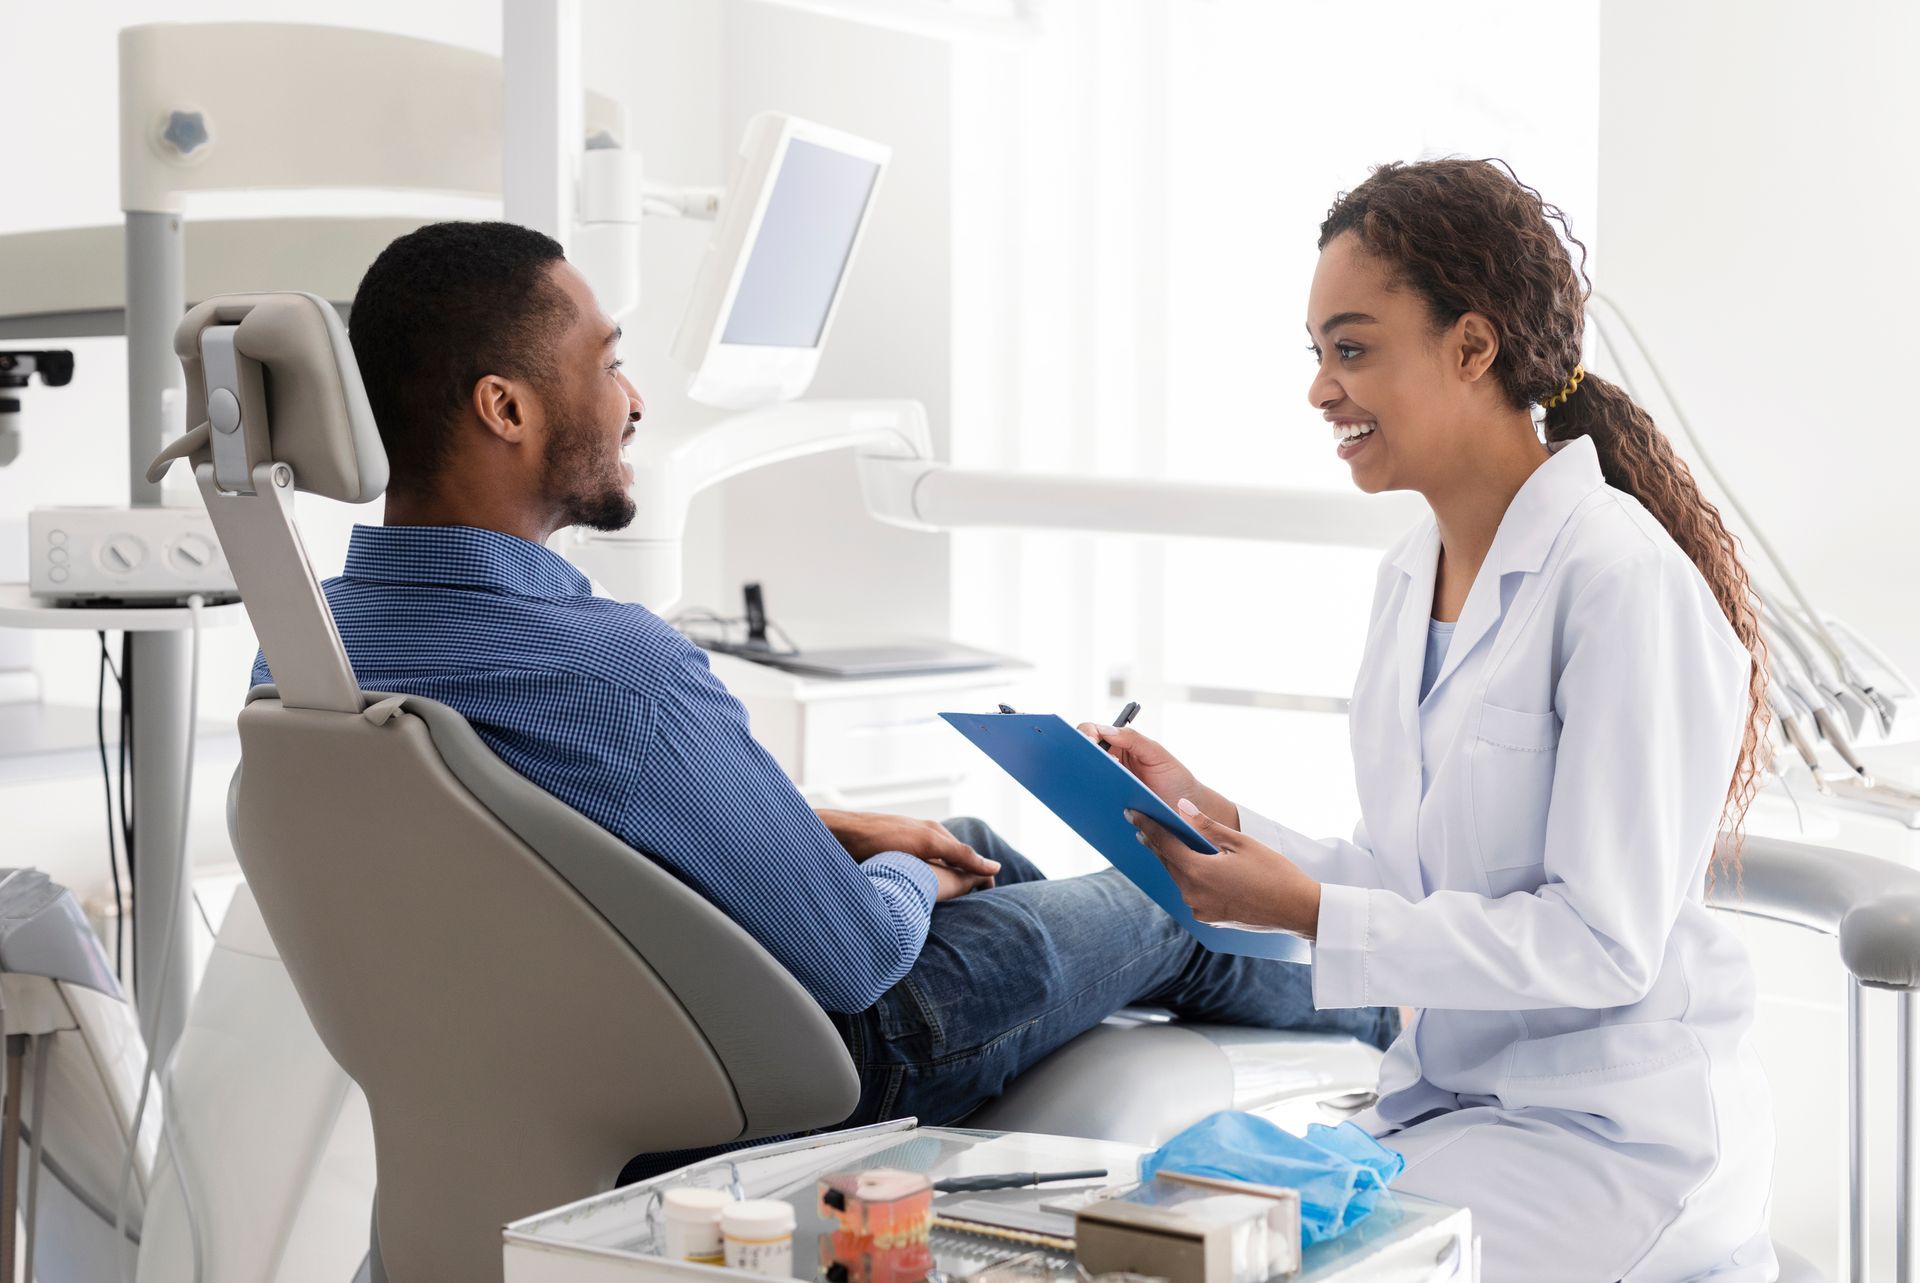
{"x": 1512, "y": 780}
{"x": 1601, "y": 1053}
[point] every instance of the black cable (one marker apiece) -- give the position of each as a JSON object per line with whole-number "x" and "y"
{"x": 205, "y": 921}
{"x": 126, "y": 751}
{"x": 126, "y": 802}
{"x": 696, "y": 615}
{"x": 106, "y": 783}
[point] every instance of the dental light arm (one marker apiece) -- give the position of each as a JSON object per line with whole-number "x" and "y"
{"x": 904, "y": 486}
{"x": 671, "y": 465}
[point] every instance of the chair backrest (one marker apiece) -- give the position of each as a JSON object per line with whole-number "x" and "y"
{"x": 525, "y": 1000}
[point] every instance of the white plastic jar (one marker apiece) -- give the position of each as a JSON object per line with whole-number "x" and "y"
{"x": 692, "y": 1219}
{"x": 758, "y": 1235}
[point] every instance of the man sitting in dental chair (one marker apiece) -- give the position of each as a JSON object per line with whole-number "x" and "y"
{"x": 948, "y": 962}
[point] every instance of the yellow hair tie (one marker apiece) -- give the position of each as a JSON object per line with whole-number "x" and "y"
{"x": 1573, "y": 386}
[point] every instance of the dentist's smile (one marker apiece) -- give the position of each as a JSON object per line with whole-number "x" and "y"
{"x": 1352, "y": 435}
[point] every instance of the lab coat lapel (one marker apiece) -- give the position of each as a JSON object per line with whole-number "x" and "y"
{"x": 1420, "y": 563}
{"x": 1528, "y": 530}
{"x": 1482, "y": 611}
{"x": 1386, "y": 728}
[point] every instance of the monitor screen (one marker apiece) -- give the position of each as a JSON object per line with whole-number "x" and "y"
{"x": 794, "y": 268}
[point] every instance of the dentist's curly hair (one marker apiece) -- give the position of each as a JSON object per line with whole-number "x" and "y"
{"x": 1469, "y": 236}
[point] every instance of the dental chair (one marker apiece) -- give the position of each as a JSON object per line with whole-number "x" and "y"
{"x": 525, "y": 1001}
{"x": 1871, "y": 907}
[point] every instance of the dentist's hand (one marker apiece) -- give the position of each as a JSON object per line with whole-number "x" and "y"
{"x": 958, "y": 866}
{"x": 1246, "y": 882}
{"x": 1161, "y": 771}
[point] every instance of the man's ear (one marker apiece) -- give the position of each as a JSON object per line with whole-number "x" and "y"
{"x": 1476, "y": 343}
{"x": 503, "y": 407}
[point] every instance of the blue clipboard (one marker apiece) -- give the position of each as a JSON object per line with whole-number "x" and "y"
{"x": 1079, "y": 782}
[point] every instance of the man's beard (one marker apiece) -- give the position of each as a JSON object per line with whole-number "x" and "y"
{"x": 591, "y": 493}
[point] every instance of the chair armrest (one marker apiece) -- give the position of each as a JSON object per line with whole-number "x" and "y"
{"x": 1871, "y": 904}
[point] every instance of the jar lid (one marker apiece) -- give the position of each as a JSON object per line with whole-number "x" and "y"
{"x": 695, "y": 1204}
{"x": 757, "y": 1218}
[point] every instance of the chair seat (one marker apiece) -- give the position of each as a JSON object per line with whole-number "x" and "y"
{"x": 1141, "y": 1081}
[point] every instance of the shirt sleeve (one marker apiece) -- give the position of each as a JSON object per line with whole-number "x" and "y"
{"x": 712, "y": 805}
{"x": 1652, "y": 698}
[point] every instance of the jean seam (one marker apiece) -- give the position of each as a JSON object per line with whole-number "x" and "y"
{"x": 890, "y": 1096}
{"x": 936, "y": 1033}
{"x": 974, "y": 1052}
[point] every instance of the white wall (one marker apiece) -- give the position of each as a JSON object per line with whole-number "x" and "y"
{"x": 1757, "y": 188}
{"x": 1137, "y": 199}
{"x": 1756, "y": 183}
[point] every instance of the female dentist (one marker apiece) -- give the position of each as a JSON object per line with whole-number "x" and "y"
{"x": 1560, "y": 703}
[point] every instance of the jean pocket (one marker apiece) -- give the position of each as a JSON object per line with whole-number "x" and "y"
{"x": 908, "y": 1021}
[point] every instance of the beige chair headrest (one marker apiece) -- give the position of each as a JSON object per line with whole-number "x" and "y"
{"x": 301, "y": 400}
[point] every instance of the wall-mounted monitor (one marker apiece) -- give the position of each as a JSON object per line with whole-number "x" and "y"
{"x": 790, "y": 224}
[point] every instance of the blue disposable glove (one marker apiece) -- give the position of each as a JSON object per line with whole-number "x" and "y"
{"x": 1339, "y": 1171}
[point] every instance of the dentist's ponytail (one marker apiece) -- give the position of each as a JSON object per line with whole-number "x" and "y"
{"x": 1469, "y": 236}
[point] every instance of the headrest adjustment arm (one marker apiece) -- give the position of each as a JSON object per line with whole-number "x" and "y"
{"x": 282, "y": 595}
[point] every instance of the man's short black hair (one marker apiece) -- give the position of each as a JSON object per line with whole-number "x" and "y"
{"x": 438, "y": 310}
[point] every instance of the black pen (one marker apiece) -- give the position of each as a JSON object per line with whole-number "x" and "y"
{"x": 1127, "y": 714}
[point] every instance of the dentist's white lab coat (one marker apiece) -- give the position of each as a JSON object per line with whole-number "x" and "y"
{"x": 1579, "y": 1074}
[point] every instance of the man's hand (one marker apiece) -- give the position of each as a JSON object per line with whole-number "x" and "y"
{"x": 865, "y": 834}
{"x": 953, "y": 884}
{"x": 1245, "y": 883}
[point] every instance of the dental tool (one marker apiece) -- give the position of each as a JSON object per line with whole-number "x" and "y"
{"x": 1840, "y": 699}
{"x": 1795, "y": 734}
{"x": 1827, "y": 723}
{"x": 1792, "y": 670}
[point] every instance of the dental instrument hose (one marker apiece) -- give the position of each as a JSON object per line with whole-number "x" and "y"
{"x": 147, "y": 1076}
{"x": 1881, "y": 704}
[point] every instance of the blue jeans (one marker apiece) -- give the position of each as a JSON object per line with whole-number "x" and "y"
{"x": 1012, "y": 973}
{"x": 1017, "y": 971}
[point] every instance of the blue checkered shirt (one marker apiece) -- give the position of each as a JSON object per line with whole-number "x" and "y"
{"x": 609, "y": 709}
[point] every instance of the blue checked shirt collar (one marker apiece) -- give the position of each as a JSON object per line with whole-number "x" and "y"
{"x": 461, "y": 557}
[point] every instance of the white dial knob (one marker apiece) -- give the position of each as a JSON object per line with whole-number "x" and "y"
{"x": 191, "y": 555}
{"x": 122, "y": 554}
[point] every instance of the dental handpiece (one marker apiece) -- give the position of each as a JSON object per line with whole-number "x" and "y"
{"x": 1791, "y": 670}
{"x": 1796, "y": 735}
{"x": 1790, "y": 650}
{"x": 1845, "y": 693}
{"x": 1831, "y": 732}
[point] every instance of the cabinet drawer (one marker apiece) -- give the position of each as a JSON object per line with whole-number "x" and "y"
{"x": 851, "y": 744}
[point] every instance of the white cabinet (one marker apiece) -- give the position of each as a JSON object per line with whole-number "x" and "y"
{"x": 869, "y": 744}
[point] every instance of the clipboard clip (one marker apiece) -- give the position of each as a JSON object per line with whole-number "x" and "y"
{"x": 1006, "y": 708}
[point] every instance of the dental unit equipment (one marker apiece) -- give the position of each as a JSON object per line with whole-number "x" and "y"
{"x": 1828, "y": 684}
